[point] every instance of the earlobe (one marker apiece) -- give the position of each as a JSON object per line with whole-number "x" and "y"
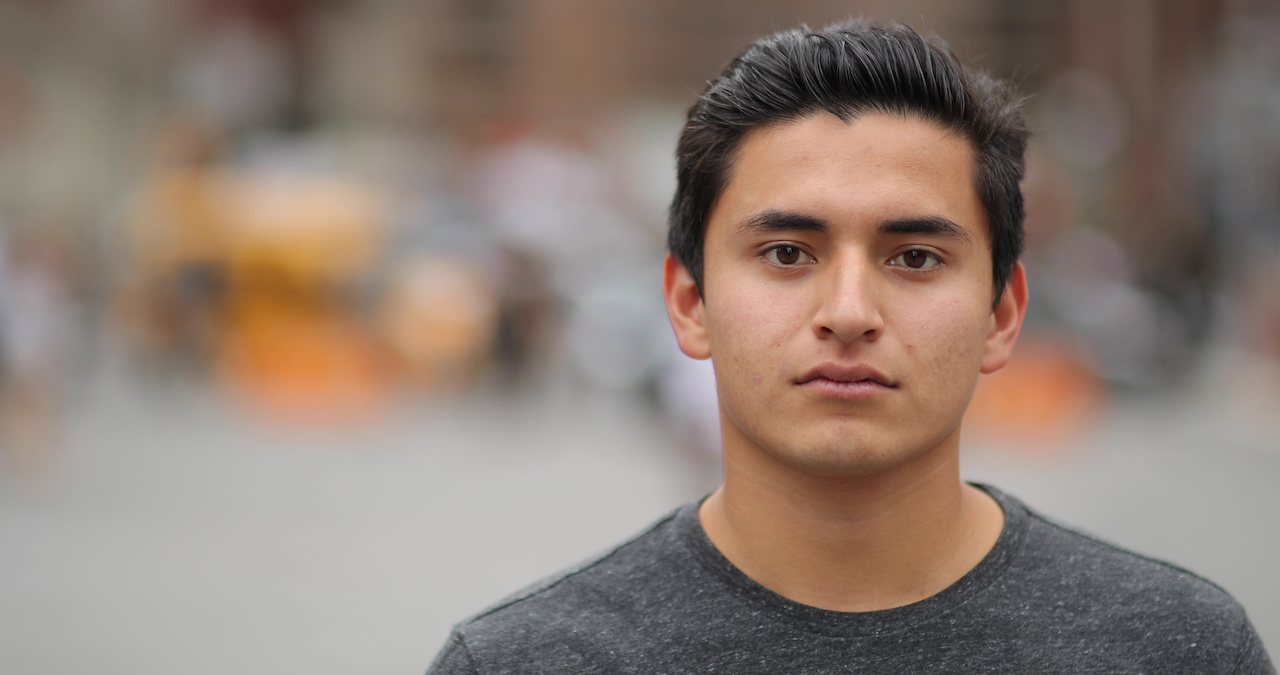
{"x": 685, "y": 309}
{"x": 1006, "y": 322}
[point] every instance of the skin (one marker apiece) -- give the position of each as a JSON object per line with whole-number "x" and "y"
{"x": 847, "y": 307}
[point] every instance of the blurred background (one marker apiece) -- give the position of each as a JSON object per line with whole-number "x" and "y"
{"x": 326, "y": 323}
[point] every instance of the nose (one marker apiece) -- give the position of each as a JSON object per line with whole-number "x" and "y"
{"x": 849, "y": 303}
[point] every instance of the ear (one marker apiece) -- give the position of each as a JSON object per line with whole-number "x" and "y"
{"x": 685, "y": 309}
{"x": 1006, "y": 321}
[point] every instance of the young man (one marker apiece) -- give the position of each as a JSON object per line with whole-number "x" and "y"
{"x": 844, "y": 243}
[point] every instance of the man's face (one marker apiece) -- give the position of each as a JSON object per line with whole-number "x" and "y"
{"x": 846, "y": 294}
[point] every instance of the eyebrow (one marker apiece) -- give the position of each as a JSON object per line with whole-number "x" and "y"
{"x": 937, "y": 226}
{"x": 773, "y": 220}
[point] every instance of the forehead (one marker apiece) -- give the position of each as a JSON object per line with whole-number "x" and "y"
{"x": 876, "y": 167}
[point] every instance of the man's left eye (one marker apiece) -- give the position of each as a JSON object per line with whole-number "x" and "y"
{"x": 916, "y": 259}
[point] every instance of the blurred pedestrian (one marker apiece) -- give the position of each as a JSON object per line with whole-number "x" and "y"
{"x": 35, "y": 327}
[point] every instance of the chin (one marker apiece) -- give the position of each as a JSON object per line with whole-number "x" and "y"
{"x": 844, "y": 461}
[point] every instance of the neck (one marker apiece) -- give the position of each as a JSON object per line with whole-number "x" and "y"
{"x": 851, "y": 543}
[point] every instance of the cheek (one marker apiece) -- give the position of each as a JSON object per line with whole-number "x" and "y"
{"x": 748, "y": 333}
{"x": 950, "y": 334}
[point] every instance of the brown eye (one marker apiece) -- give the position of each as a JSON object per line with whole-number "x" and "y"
{"x": 787, "y": 255}
{"x": 916, "y": 259}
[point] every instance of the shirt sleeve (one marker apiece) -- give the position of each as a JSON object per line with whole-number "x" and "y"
{"x": 454, "y": 659}
{"x": 1253, "y": 658}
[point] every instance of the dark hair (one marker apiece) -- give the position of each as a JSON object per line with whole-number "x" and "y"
{"x": 849, "y": 69}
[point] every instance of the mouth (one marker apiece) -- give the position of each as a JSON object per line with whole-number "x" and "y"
{"x": 846, "y": 380}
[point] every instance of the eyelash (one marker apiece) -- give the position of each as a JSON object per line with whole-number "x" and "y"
{"x": 770, "y": 255}
{"x": 937, "y": 260}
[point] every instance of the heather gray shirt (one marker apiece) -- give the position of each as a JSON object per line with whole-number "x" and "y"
{"x": 1046, "y": 599}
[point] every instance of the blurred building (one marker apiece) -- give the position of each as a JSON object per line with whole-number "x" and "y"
{"x": 1156, "y": 148}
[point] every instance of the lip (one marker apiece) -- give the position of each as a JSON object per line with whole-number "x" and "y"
{"x": 846, "y": 381}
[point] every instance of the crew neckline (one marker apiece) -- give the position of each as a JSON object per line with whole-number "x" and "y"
{"x": 860, "y": 624}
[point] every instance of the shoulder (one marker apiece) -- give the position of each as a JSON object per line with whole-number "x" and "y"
{"x": 561, "y": 618}
{"x": 1091, "y": 565}
{"x": 1077, "y": 586}
{"x": 616, "y": 568}
{"x": 1066, "y": 560}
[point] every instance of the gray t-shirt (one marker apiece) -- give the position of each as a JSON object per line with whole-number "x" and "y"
{"x": 1046, "y": 599}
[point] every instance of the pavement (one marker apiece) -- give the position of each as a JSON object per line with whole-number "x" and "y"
{"x": 182, "y": 535}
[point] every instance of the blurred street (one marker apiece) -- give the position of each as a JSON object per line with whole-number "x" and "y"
{"x": 325, "y": 324}
{"x": 178, "y": 535}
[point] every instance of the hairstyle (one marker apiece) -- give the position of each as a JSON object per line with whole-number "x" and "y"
{"x": 849, "y": 69}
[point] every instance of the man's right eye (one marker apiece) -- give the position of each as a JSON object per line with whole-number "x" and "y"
{"x": 787, "y": 255}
